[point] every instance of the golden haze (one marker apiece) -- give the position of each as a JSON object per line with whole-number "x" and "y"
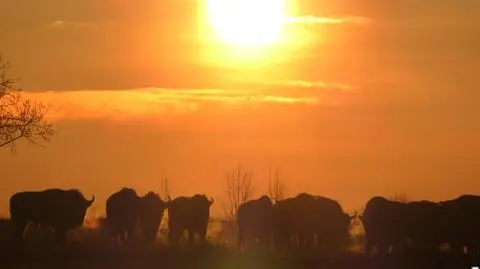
{"x": 355, "y": 100}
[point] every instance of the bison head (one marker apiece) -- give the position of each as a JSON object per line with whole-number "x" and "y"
{"x": 151, "y": 214}
{"x": 202, "y": 203}
{"x": 347, "y": 220}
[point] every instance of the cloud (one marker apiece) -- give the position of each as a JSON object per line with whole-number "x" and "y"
{"x": 309, "y": 19}
{"x": 310, "y": 84}
{"x": 152, "y": 102}
{"x": 69, "y": 24}
{"x": 330, "y": 20}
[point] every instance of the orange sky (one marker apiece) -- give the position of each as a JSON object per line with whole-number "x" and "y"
{"x": 369, "y": 99}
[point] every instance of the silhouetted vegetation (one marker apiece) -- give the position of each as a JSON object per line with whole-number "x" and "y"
{"x": 276, "y": 188}
{"x": 20, "y": 118}
{"x": 400, "y": 197}
{"x": 238, "y": 190}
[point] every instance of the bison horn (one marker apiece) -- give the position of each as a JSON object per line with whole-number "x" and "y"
{"x": 169, "y": 198}
{"x": 92, "y": 200}
{"x": 211, "y": 200}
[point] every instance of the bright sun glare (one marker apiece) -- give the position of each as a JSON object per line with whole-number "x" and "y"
{"x": 247, "y": 23}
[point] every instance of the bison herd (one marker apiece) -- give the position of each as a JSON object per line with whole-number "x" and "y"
{"x": 306, "y": 218}
{"x": 189, "y": 214}
{"x": 301, "y": 221}
{"x": 64, "y": 210}
{"x": 426, "y": 225}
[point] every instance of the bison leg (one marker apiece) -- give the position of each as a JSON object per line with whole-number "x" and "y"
{"x": 335, "y": 247}
{"x": 308, "y": 240}
{"x": 304, "y": 240}
{"x": 319, "y": 242}
{"x": 130, "y": 232}
{"x": 171, "y": 241}
{"x": 283, "y": 240}
{"x": 174, "y": 235}
{"x": 20, "y": 229}
{"x": 202, "y": 234}
{"x": 240, "y": 238}
{"x": 263, "y": 241}
{"x": 191, "y": 236}
{"x": 475, "y": 250}
{"x": 369, "y": 244}
{"x": 383, "y": 248}
{"x": 113, "y": 238}
{"x": 61, "y": 235}
{"x": 117, "y": 236}
{"x": 471, "y": 250}
{"x": 291, "y": 242}
{"x": 322, "y": 243}
{"x": 259, "y": 240}
{"x": 124, "y": 236}
{"x": 301, "y": 241}
{"x": 278, "y": 242}
{"x": 456, "y": 248}
{"x": 250, "y": 241}
{"x": 113, "y": 235}
{"x": 149, "y": 238}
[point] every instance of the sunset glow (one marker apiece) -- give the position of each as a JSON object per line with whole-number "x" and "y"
{"x": 247, "y": 23}
{"x": 350, "y": 99}
{"x": 239, "y": 134}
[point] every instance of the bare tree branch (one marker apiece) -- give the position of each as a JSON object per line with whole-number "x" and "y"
{"x": 276, "y": 189}
{"x": 238, "y": 189}
{"x": 166, "y": 190}
{"x": 20, "y": 117}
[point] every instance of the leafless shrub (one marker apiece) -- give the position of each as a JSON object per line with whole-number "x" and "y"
{"x": 238, "y": 190}
{"x": 276, "y": 189}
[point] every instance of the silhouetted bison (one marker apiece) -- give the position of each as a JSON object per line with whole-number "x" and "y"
{"x": 188, "y": 213}
{"x": 384, "y": 223}
{"x": 391, "y": 224}
{"x": 63, "y": 210}
{"x": 254, "y": 220}
{"x": 122, "y": 214}
{"x": 462, "y": 223}
{"x": 424, "y": 224}
{"x": 328, "y": 222}
{"x": 306, "y": 216}
{"x": 286, "y": 223}
{"x": 324, "y": 218}
{"x": 150, "y": 215}
{"x": 7, "y": 232}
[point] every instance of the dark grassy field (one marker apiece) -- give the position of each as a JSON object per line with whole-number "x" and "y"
{"x": 95, "y": 255}
{"x": 88, "y": 248}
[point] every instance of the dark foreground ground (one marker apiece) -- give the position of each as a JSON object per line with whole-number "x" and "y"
{"x": 94, "y": 256}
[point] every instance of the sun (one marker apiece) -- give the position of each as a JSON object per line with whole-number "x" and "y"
{"x": 247, "y": 23}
